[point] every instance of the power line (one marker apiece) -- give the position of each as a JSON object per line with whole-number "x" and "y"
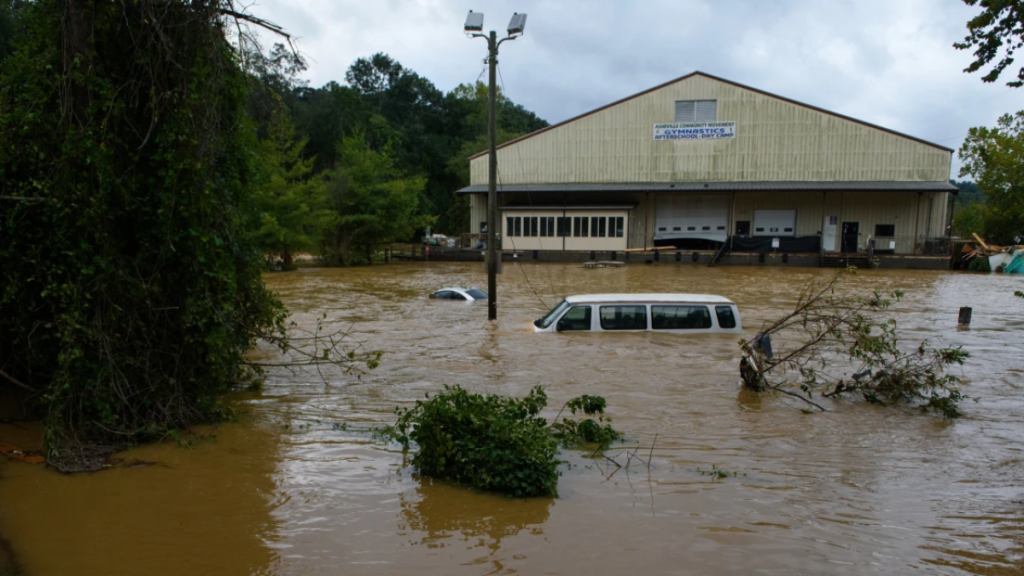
{"x": 529, "y": 199}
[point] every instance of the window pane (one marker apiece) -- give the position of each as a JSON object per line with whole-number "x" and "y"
{"x": 618, "y": 226}
{"x": 519, "y": 227}
{"x": 561, "y": 226}
{"x": 551, "y": 225}
{"x": 576, "y": 226}
{"x": 726, "y": 319}
{"x": 705, "y": 111}
{"x": 548, "y": 318}
{"x": 543, "y": 226}
{"x": 577, "y": 318}
{"x": 533, "y": 226}
{"x": 680, "y": 317}
{"x": 623, "y": 317}
{"x": 510, "y": 227}
{"x": 586, "y": 228}
{"x": 685, "y": 110}
{"x": 601, "y": 227}
{"x": 885, "y": 230}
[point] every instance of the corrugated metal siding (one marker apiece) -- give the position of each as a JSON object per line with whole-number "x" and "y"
{"x": 477, "y": 211}
{"x": 775, "y": 140}
{"x": 806, "y": 204}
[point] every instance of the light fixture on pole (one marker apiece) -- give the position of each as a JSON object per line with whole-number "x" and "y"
{"x": 474, "y": 27}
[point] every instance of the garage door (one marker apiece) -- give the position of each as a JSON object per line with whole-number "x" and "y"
{"x": 698, "y": 216}
{"x": 774, "y": 222}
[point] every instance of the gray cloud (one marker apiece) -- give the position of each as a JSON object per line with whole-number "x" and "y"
{"x": 889, "y": 63}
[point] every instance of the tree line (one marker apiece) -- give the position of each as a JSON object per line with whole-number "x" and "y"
{"x": 355, "y": 166}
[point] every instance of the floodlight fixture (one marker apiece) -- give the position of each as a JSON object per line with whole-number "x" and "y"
{"x": 517, "y": 24}
{"x": 474, "y": 22}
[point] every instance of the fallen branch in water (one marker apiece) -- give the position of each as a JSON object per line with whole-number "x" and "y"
{"x": 836, "y": 345}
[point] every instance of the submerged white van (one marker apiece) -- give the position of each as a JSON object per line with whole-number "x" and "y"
{"x": 677, "y": 313}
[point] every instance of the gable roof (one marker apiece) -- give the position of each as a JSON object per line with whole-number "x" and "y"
{"x": 738, "y": 85}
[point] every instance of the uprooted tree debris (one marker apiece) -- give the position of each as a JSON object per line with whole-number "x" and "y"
{"x": 834, "y": 346}
{"x": 991, "y": 258}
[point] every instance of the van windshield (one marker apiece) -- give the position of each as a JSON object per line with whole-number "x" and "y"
{"x": 548, "y": 318}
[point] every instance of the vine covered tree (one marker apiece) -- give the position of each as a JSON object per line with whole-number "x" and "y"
{"x": 132, "y": 286}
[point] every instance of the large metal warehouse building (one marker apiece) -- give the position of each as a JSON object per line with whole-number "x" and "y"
{"x": 702, "y": 160}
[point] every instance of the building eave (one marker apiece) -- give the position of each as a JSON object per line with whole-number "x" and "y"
{"x": 738, "y": 186}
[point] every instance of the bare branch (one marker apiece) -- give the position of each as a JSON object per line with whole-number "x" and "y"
{"x": 16, "y": 382}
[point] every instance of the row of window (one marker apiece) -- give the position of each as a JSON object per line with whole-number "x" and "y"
{"x": 634, "y": 317}
{"x": 571, "y": 226}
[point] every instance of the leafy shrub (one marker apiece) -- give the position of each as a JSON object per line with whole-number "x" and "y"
{"x": 497, "y": 443}
{"x": 493, "y": 443}
{"x": 571, "y": 433}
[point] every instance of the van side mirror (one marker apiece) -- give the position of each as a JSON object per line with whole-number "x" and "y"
{"x": 563, "y": 325}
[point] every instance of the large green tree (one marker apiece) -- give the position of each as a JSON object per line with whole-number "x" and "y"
{"x": 376, "y": 202}
{"x": 994, "y": 158}
{"x": 995, "y": 34}
{"x": 291, "y": 202}
{"x": 131, "y": 286}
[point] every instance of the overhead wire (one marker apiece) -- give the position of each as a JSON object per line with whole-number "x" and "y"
{"x": 529, "y": 199}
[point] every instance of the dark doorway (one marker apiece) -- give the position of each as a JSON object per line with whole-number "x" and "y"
{"x": 743, "y": 227}
{"x": 851, "y": 230}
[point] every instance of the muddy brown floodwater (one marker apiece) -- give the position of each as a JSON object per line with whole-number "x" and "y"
{"x": 300, "y": 487}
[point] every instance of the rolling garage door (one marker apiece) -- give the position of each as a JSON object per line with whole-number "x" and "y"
{"x": 774, "y": 222}
{"x": 704, "y": 217}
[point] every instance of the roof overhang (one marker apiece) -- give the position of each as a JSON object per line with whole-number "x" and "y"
{"x": 567, "y": 208}
{"x": 743, "y": 186}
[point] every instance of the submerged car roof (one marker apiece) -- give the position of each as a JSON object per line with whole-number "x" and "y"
{"x": 681, "y": 298}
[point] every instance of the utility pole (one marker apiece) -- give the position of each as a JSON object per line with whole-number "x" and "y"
{"x": 474, "y": 27}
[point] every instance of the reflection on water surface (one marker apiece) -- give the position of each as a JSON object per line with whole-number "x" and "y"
{"x": 290, "y": 491}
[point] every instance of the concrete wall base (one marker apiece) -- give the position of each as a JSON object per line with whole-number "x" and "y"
{"x": 698, "y": 258}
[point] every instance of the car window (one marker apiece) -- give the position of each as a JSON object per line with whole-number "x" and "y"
{"x": 692, "y": 317}
{"x": 630, "y": 317}
{"x": 726, "y": 319}
{"x": 443, "y": 295}
{"x": 477, "y": 294}
{"x": 577, "y": 318}
{"x": 457, "y": 296}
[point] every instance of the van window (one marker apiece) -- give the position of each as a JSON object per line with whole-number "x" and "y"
{"x": 577, "y": 318}
{"x": 680, "y": 317}
{"x": 726, "y": 319}
{"x": 624, "y": 317}
{"x": 548, "y": 318}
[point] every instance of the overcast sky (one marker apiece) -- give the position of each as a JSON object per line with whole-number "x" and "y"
{"x": 888, "y": 62}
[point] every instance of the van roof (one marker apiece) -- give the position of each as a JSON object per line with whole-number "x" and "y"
{"x": 648, "y": 298}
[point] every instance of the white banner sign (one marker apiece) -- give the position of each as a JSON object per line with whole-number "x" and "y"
{"x": 695, "y": 131}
